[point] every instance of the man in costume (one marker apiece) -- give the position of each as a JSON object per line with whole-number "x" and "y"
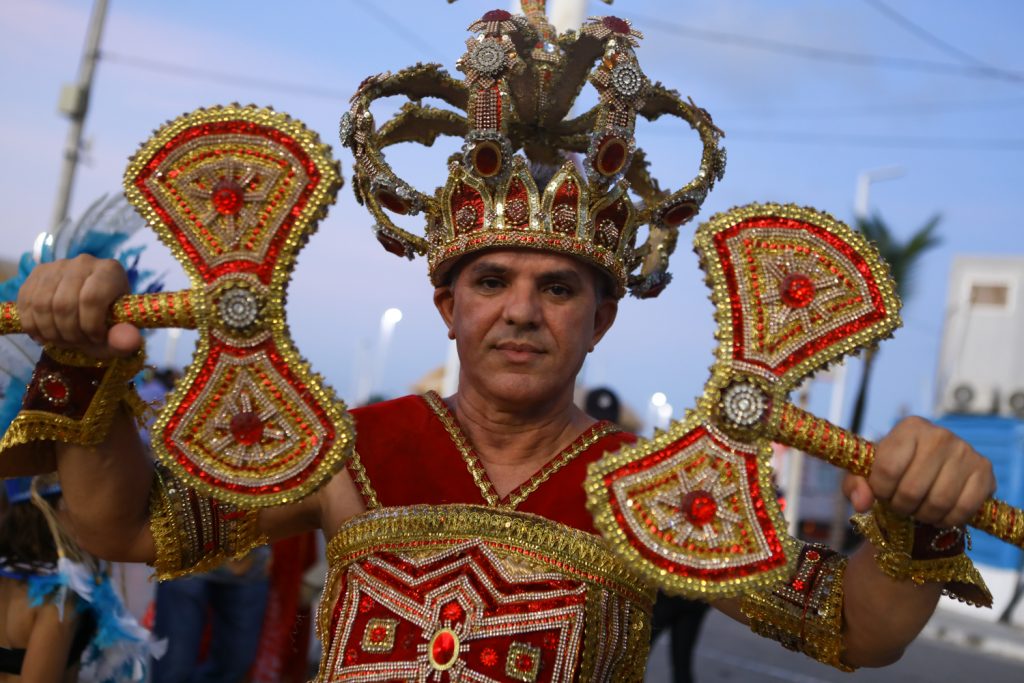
{"x": 460, "y": 544}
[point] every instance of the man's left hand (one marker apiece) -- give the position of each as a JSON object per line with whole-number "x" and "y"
{"x": 925, "y": 472}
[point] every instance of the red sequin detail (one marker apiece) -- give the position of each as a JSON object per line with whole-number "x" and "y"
{"x": 812, "y": 556}
{"x": 524, "y": 662}
{"x": 496, "y": 15}
{"x": 616, "y": 24}
{"x": 378, "y": 634}
{"x": 452, "y": 611}
{"x": 247, "y": 428}
{"x": 699, "y": 507}
{"x": 228, "y": 197}
{"x": 365, "y": 604}
{"x": 798, "y": 584}
{"x": 797, "y": 290}
{"x": 550, "y": 641}
{"x": 488, "y": 656}
{"x": 762, "y": 519}
{"x": 351, "y": 656}
{"x": 443, "y": 648}
{"x": 467, "y": 196}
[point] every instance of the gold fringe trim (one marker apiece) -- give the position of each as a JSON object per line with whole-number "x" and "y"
{"x": 92, "y": 428}
{"x": 892, "y": 536}
{"x": 175, "y": 554}
{"x": 815, "y": 632}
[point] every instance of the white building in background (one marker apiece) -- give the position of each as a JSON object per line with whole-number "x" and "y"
{"x": 981, "y": 364}
{"x": 980, "y": 397}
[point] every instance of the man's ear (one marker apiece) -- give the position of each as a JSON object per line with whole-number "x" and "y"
{"x": 444, "y": 301}
{"x": 604, "y": 316}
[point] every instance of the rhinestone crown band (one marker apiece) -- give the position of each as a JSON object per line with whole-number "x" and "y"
{"x": 521, "y": 80}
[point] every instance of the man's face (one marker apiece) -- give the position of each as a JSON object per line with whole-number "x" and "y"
{"x": 523, "y": 322}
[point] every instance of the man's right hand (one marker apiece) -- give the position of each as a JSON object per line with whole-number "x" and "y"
{"x": 67, "y": 304}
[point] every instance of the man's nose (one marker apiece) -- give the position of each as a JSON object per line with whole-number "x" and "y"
{"x": 522, "y": 305}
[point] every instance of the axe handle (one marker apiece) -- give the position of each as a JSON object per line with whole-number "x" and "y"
{"x": 162, "y": 309}
{"x": 822, "y": 439}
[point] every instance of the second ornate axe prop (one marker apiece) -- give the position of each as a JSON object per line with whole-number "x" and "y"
{"x": 694, "y": 508}
{"x": 235, "y": 192}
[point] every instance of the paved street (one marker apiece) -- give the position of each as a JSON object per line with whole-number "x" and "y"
{"x": 728, "y": 651}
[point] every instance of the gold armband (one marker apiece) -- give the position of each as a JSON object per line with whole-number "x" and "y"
{"x": 195, "y": 533}
{"x": 71, "y": 398}
{"x": 805, "y": 613}
{"x": 905, "y": 549}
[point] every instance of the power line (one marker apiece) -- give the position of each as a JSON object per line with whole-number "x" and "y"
{"x": 867, "y": 110}
{"x": 374, "y": 11}
{"x": 890, "y": 141}
{"x": 825, "y": 54}
{"x": 223, "y": 77}
{"x": 926, "y": 35}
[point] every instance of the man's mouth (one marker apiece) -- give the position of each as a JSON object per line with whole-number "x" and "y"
{"x": 518, "y": 347}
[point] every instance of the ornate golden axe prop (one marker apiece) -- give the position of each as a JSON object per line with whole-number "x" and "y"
{"x": 235, "y": 192}
{"x": 694, "y": 508}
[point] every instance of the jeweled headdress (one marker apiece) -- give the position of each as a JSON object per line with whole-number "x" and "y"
{"x": 521, "y": 81}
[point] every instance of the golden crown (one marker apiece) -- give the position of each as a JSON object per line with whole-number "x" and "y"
{"x": 521, "y": 80}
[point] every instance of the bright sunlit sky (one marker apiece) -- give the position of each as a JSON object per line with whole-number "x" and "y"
{"x": 804, "y": 108}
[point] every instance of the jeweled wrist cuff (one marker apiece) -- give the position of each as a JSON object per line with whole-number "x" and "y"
{"x": 72, "y": 398}
{"x": 905, "y": 549}
{"x": 195, "y": 533}
{"x": 805, "y": 613}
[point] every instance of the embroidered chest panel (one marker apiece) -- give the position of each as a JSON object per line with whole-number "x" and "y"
{"x": 464, "y": 593}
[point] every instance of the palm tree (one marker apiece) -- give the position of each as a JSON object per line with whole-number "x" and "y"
{"x": 903, "y": 258}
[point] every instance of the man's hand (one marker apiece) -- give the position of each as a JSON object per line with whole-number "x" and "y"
{"x": 926, "y": 472}
{"x": 67, "y": 304}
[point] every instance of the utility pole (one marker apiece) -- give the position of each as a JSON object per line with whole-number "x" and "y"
{"x": 841, "y": 506}
{"x": 74, "y": 103}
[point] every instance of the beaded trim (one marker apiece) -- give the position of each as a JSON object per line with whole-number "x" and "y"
{"x": 194, "y": 533}
{"x": 588, "y": 438}
{"x": 523, "y": 548}
{"x": 73, "y": 398}
{"x": 362, "y": 481}
{"x": 905, "y": 549}
{"x": 805, "y": 613}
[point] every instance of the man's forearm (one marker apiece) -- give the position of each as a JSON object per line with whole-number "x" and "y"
{"x": 882, "y": 616}
{"x": 106, "y": 491}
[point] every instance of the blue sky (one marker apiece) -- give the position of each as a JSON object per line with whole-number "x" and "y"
{"x": 799, "y": 129}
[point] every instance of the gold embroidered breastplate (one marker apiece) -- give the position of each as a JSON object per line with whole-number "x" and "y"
{"x": 467, "y": 592}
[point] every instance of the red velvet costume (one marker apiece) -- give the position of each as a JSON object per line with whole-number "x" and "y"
{"x": 441, "y": 580}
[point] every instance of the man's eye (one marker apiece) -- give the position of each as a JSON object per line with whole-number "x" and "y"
{"x": 490, "y": 283}
{"x": 559, "y": 290}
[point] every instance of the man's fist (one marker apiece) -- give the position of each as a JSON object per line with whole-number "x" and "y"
{"x": 67, "y": 304}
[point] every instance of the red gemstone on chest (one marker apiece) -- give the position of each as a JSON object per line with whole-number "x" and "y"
{"x": 228, "y": 197}
{"x": 797, "y": 290}
{"x": 247, "y": 428}
{"x": 444, "y": 648}
{"x": 699, "y": 507}
{"x": 497, "y": 15}
{"x": 616, "y": 24}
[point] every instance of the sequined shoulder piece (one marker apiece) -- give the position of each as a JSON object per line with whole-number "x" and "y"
{"x": 482, "y": 593}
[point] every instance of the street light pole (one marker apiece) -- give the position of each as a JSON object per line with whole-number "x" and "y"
{"x": 74, "y": 103}
{"x": 861, "y": 195}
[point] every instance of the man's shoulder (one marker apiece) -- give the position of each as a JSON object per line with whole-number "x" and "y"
{"x": 412, "y": 402}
